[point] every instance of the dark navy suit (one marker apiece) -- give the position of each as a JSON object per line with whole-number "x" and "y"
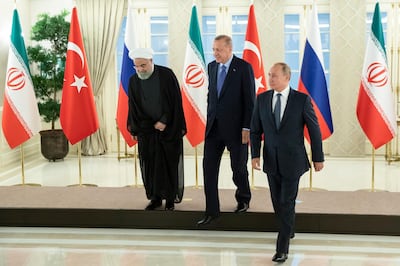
{"x": 227, "y": 115}
{"x": 284, "y": 153}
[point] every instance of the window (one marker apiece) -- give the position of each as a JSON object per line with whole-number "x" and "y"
{"x": 159, "y": 39}
{"x": 209, "y": 29}
{"x": 292, "y": 44}
{"x": 239, "y": 25}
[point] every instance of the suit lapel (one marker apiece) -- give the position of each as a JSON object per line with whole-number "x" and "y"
{"x": 268, "y": 106}
{"x": 213, "y": 75}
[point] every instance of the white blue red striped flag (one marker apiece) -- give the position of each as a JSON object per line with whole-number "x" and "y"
{"x": 312, "y": 78}
{"x": 127, "y": 70}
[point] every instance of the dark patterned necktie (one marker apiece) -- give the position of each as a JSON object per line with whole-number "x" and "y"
{"x": 277, "y": 111}
{"x": 221, "y": 79}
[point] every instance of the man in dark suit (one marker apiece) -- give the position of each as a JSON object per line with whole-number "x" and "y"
{"x": 230, "y": 102}
{"x": 281, "y": 114}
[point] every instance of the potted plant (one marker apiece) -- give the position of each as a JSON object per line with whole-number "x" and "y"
{"x": 47, "y": 57}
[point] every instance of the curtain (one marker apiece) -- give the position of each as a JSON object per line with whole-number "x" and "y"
{"x": 100, "y": 21}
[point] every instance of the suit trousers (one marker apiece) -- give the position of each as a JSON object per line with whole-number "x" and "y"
{"x": 283, "y": 195}
{"x": 214, "y": 147}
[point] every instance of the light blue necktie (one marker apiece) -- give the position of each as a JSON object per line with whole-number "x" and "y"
{"x": 277, "y": 111}
{"x": 221, "y": 79}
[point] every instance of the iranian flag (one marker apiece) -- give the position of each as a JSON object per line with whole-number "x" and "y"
{"x": 21, "y": 119}
{"x": 375, "y": 106}
{"x": 195, "y": 84}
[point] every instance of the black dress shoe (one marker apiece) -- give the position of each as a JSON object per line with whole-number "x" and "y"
{"x": 169, "y": 205}
{"x": 241, "y": 207}
{"x": 154, "y": 204}
{"x": 206, "y": 220}
{"x": 280, "y": 257}
{"x": 292, "y": 235}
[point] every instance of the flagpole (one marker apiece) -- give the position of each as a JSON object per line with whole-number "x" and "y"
{"x": 80, "y": 184}
{"x": 80, "y": 167}
{"x": 135, "y": 168}
{"x": 196, "y": 167}
{"x": 373, "y": 171}
{"x": 311, "y": 178}
{"x": 23, "y": 169}
{"x": 118, "y": 144}
{"x": 80, "y": 163}
{"x": 310, "y": 186}
{"x": 135, "y": 165}
{"x": 252, "y": 178}
{"x": 126, "y": 154}
{"x": 22, "y": 164}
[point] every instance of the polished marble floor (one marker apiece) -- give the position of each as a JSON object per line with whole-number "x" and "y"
{"x": 92, "y": 247}
{"x": 339, "y": 174}
{"x": 81, "y": 246}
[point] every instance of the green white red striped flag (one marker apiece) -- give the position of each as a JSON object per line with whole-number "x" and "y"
{"x": 375, "y": 106}
{"x": 20, "y": 119}
{"x": 195, "y": 84}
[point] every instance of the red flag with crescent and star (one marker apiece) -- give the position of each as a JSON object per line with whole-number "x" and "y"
{"x": 78, "y": 114}
{"x": 252, "y": 52}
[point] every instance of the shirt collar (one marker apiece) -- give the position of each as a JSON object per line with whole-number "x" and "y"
{"x": 228, "y": 63}
{"x": 285, "y": 92}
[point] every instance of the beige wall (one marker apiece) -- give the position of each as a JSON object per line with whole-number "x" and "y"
{"x": 347, "y": 51}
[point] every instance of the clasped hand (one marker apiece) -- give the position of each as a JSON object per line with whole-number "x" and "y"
{"x": 160, "y": 126}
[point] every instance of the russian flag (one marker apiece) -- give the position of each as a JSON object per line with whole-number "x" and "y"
{"x": 127, "y": 71}
{"x": 312, "y": 77}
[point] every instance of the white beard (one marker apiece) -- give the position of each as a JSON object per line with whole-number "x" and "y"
{"x": 144, "y": 76}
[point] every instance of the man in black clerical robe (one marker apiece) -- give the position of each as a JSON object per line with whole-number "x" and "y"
{"x": 156, "y": 121}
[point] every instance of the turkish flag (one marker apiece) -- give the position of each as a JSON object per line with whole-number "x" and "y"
{"x": 78, "y": 114}
{"x": 252, "y": 52}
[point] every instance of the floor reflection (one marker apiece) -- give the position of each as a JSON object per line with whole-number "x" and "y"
{"x": 72, "y": 246}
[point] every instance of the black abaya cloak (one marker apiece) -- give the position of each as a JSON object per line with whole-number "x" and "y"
{"x": 160, "y": 152}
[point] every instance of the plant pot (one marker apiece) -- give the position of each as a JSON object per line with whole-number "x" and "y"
{"x": 54, "y": 145}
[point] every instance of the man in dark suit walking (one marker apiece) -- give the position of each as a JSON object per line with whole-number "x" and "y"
{"x": 230, "y": 102}
{"x": 281, "y": 114}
